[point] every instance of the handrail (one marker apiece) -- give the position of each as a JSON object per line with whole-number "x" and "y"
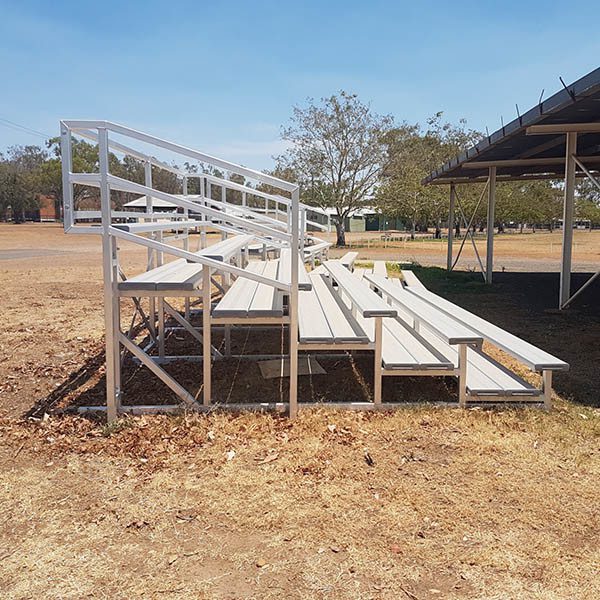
{"x": 78, "y": 125}
{"x": 193, "y": 257}
{"x": 129, "y": 186}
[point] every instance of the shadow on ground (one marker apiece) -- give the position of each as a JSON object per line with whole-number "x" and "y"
{"x": 526, "y": 305}
{"x": 522, "y": 303}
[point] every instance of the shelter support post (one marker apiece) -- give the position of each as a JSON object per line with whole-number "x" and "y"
{"x": 491, "y": 209}
{"x": 569, "y": 202}
{"x": 450, "y": 227}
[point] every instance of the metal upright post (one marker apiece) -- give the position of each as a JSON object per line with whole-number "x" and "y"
{"x": 224, "y": 201}
{"x": 186, "y": 243}
{"x": 206, "y": 337}
{"x": 569, "y": 201}
{"x": 204, "y": 189}
{"x": 244, "y": 199}
{"x": 293, "y": 304}
{"x": 110, "y": 293}
{"x": 462, "y": 375}
{"x": 378, "y": 375}
{"x": 449, "y": 258}
{"x": 67, "y": 166}
{"x": 150, "y": 265}
{"x": 491, "y": 209}
{"x": 302, "y": 229}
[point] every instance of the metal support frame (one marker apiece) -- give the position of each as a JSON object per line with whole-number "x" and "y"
{"x": 293, "y": 303}
{"x": 450, "y": 226}
{"x": 568, "y": 210}
{"x": 491, "y": 212}
{"x": 595, "y": 276}
{"x": 206, "y": 337}
{"x": 111, "y": 302}
{"x": 468, "y": 232}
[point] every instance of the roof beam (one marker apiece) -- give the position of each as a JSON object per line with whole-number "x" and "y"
{"x": 501, "y": 178}
{"x": 563, "y": 128}
{"x": 557, "y": 141}
{"x": 525, "y": 162}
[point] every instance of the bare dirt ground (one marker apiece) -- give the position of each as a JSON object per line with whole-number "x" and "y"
{"x": 423, "y": 503}
{"x": 513, "y": 252}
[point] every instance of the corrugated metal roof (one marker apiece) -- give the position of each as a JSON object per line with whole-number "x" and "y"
{"x": 577, "y": 103}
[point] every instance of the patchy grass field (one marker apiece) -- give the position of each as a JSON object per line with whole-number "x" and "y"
{"x": 423, "y": 503}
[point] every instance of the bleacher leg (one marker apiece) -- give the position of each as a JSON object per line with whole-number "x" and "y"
{"x": 161, "y": 327}
{"x": 378, "y": 366}
{"x": 547, "y": 388}
{"x": 152, "y": 316}
{"x": 462, "y": 375}
{"x": 227, "y": 340}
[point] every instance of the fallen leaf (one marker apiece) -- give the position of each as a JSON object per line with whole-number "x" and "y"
{"x": 267, "y": 459}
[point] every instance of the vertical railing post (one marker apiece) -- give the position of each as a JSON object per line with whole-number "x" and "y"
{"x": 186, "y": 242}
{"x": 302, "y": 230}
{"x": 151, "y": 255}
{"x": 66, "y": 155}
{"x": 206, "y": 335}
{"x": 293, "y": 303}
{"x": 224, "y": 201}
{"x": 110, "y": 285}
{"x": 203, "y": 187}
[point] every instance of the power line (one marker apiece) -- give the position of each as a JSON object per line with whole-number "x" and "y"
{"x": 17, "y": 127}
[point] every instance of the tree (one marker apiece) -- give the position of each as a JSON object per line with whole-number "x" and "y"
{"x": 337, "y": 153}
{"x": 85, "y": 160}
{"x": 19, "y": 180}
{"x": 413, "y": 153}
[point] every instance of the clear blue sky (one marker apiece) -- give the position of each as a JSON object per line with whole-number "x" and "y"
{"x": 222, "y": 76}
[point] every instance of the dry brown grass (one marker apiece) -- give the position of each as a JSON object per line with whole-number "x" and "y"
{"x": 457, "y": 504}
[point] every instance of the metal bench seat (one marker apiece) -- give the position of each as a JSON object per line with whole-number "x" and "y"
{"x": 285, "y": 270}
{"x": 348, "y": 260}
{"x": 247, "y": 298}
{"x": 379, "y": 268}
{"x": 324, "y": 319}
{"x": 226, "y": 249}
{"x": 175, "y": 276}
{"x": 532, "y": 356}
{"x": 448, "y": 329}
{"x": 485, "y": 376}
{"x": 411, "y": 280}
{"x": 363, "y": 300}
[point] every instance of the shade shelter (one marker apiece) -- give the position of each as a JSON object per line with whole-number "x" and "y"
{"x": 559, "y": 138}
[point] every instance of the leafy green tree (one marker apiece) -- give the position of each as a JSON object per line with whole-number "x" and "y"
{"x": 337, "y": 152}
{"x": 19, "y": 180}
{"x": 413, "y": 153}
